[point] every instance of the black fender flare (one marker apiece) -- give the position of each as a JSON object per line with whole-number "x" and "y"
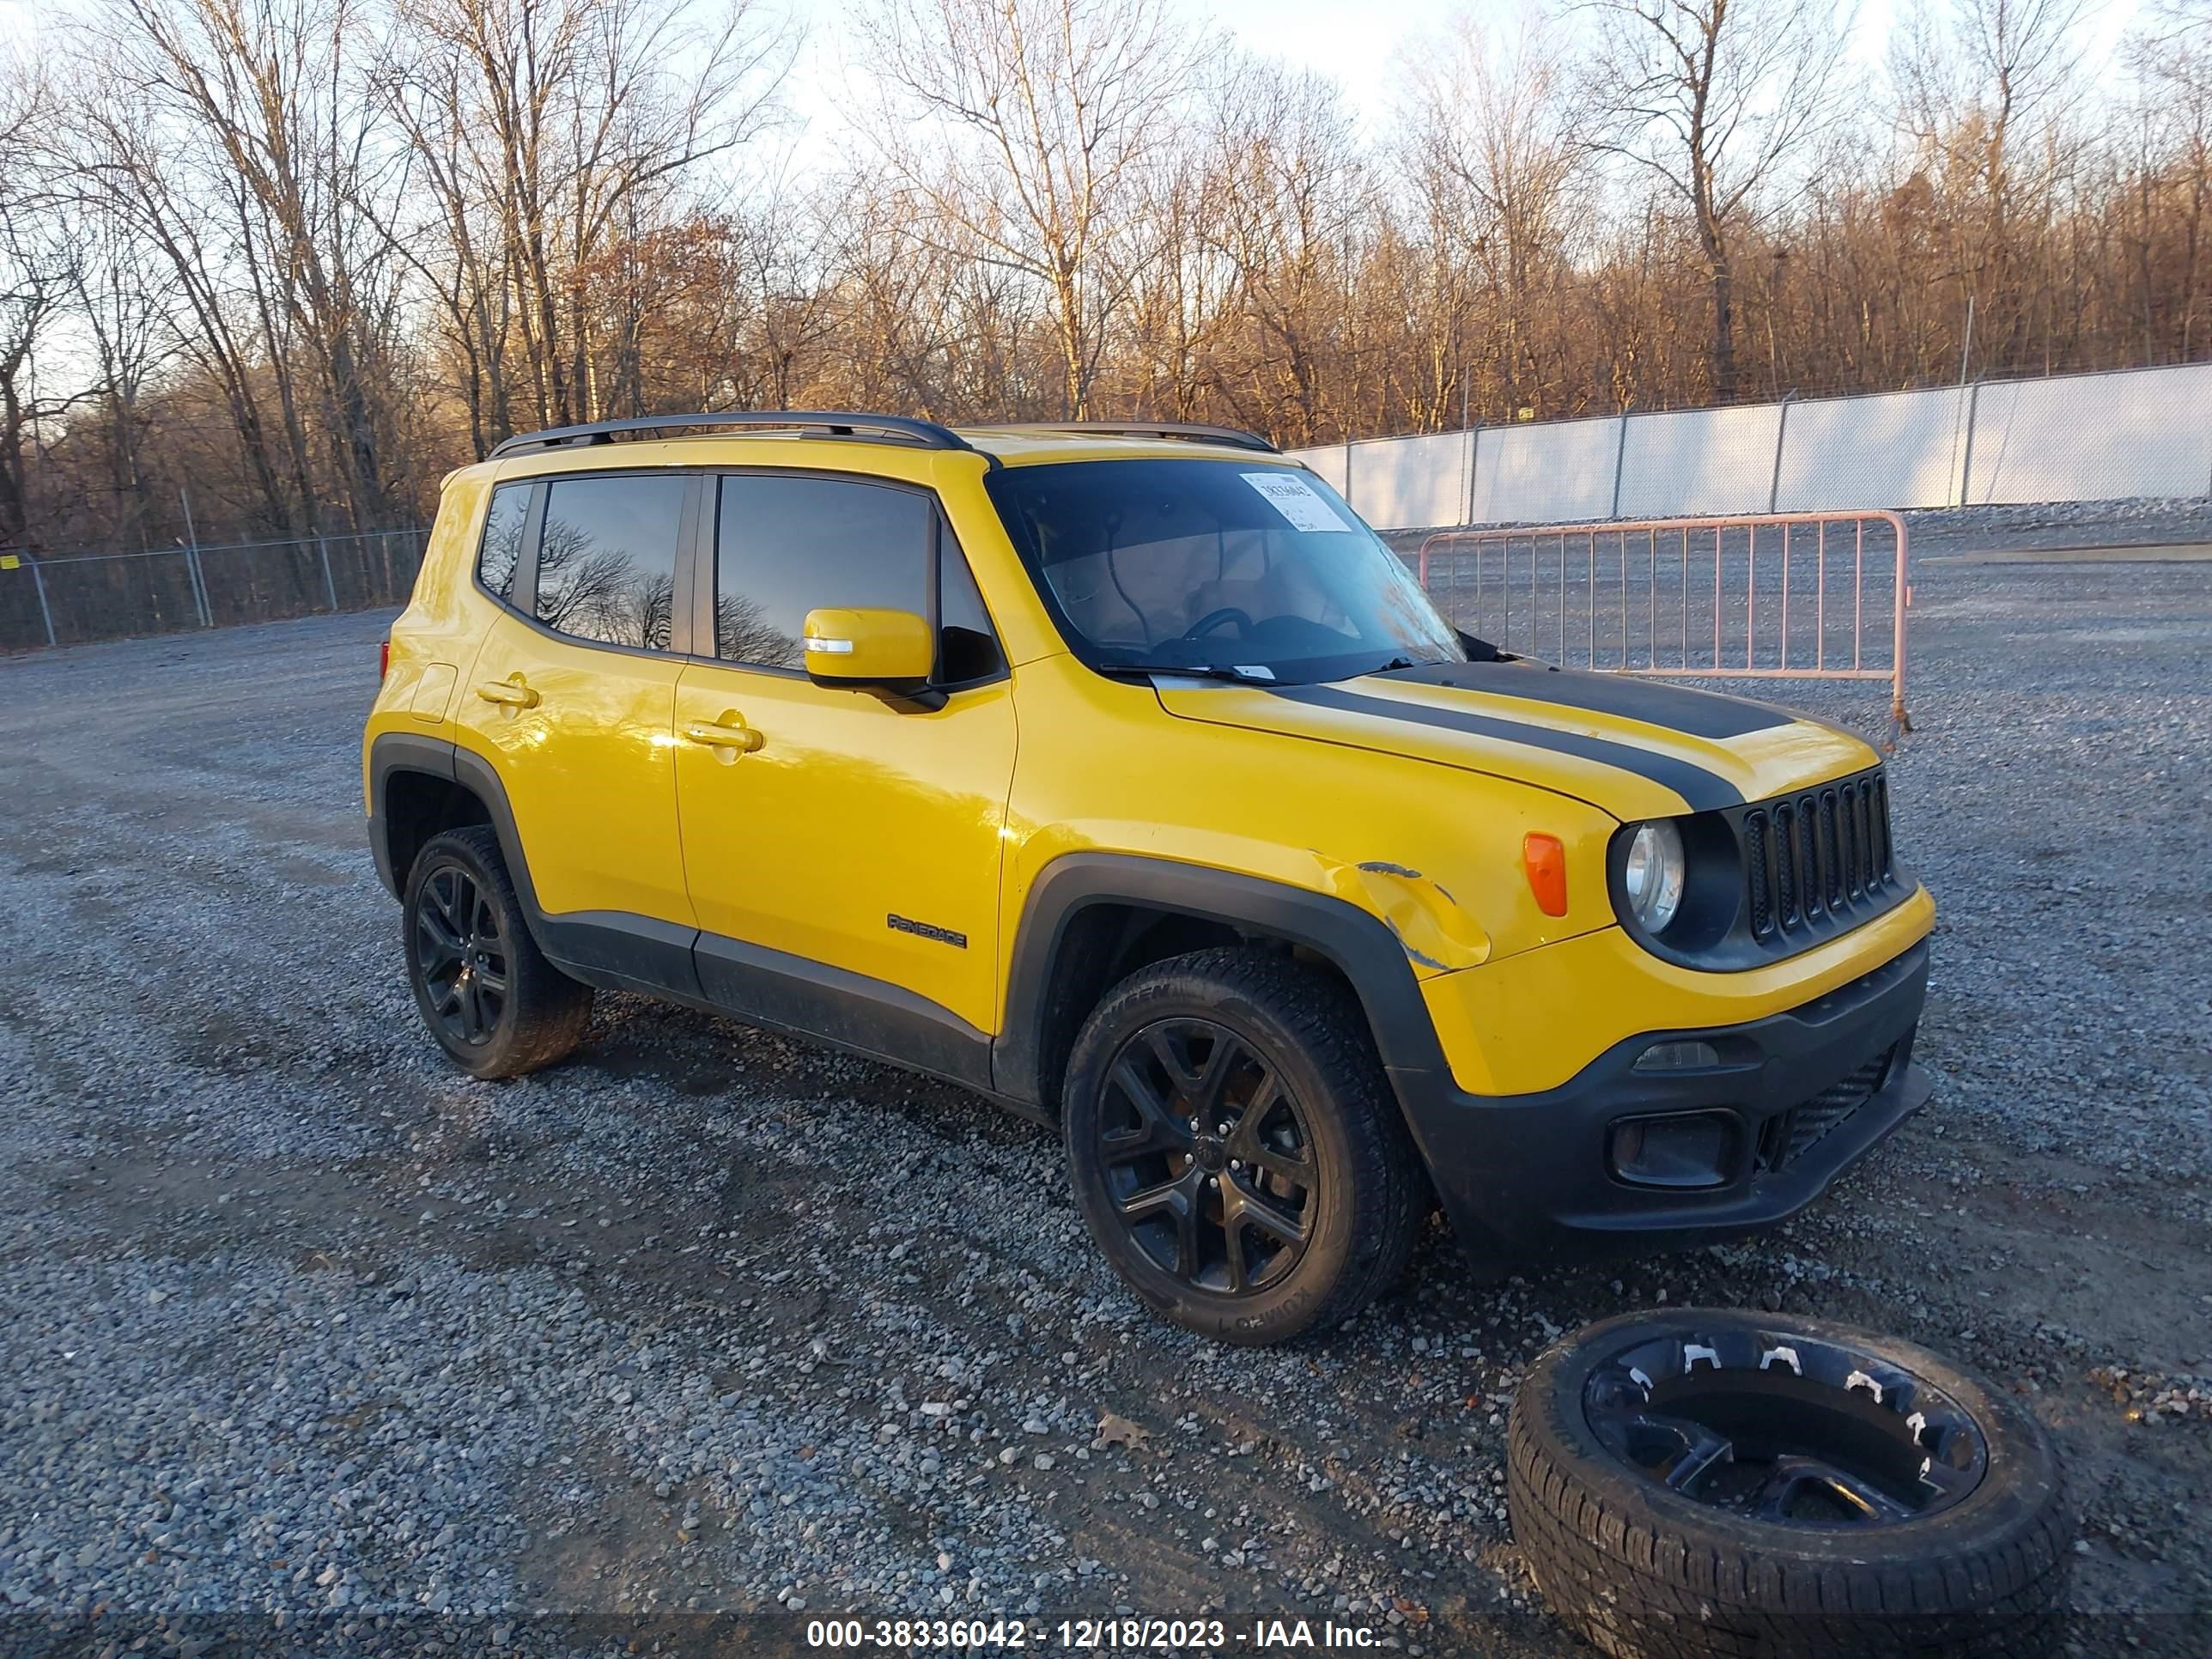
{"x": 1360, "y": 944}
{"x": 441, "y": 758}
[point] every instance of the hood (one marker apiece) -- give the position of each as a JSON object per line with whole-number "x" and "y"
{"x": 1635, "y": 748}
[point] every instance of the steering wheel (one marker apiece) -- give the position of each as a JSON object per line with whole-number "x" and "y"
{"x": 1213, "y": 619}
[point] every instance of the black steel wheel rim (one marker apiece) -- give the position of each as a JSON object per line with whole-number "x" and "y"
{"x": 1208, "y": 1158}
{"x": 461, "y": 953}
{"x": 1785, "y": 1428}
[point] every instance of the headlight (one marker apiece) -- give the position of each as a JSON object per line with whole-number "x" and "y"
{"x": 1654, "y": 874}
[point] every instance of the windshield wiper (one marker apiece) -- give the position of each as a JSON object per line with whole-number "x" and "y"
{"x": 1194, "y": 670}
{"x": 1397, "y": 663}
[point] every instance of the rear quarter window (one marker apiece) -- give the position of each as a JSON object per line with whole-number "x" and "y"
{"x": 501, "y": 554}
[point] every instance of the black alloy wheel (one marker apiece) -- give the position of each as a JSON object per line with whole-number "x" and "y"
{"x": 1711, "y": 1480}
{"x": 1208, "y": 1156}
{"x": 1802, "y": 1431}
{"x": 461, "y": 953}
{"x": 496, "y": 1004}
{"x": 1235, "y": 1147}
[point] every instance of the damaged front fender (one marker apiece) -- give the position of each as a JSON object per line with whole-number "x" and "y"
{"x": 1436, "y": 933}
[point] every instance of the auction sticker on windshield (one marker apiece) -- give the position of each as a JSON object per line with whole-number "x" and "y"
{"x": 1306, "y": 507}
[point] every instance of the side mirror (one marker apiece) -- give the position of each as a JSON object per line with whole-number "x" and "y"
{"x": 869, "y": 650}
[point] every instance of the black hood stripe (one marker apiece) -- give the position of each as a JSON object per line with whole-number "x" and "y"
{"x": 1677, "y": 708}
{"x": 1705, "y": 791}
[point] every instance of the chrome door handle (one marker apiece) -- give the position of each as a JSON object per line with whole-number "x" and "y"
{"x": 730, "y": 731}
{"x": 513, "y": 691}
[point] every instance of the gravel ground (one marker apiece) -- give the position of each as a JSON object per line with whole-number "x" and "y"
{"x": 314, "y": 1345}
{"x": 2060, "y": 523}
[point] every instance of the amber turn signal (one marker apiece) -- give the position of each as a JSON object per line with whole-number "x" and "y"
{"x": 1546, "y": 861}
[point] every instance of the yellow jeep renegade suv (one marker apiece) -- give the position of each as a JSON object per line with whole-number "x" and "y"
{"x": 1125, "y": 776}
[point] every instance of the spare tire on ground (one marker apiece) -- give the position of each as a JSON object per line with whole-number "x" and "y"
{"x": 1695, "y": 1481}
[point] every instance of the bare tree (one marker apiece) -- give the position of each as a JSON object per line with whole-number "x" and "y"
{"x": 302, "y": 255}
{"x": 1495, "y": 151}
{"x": 2170, "y": 188}
{"x": 1714, "y": 99}
{"x": 1021, "y": 128}
{"x": 36, "y": 273}
{"x": 38, "y": 264}
{"x": 1298, "y": 206}
{"x": 270, "y": 89}
{"x": 548, "y": 130}
{"x": 118, "y": 301}
{"x": 1182, "y": 295}
{"x": 1982, "y": 88}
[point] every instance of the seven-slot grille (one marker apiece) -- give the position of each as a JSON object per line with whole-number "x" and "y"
{"x": 1811, "y": 859}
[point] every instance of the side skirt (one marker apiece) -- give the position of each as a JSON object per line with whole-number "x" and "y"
{"x": 786, "y": 993}
{"x": 774, "y": 991}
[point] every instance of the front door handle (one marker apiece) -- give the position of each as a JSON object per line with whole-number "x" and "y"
{"x": 514, "y": 691}
{"x": 730, "y": 734}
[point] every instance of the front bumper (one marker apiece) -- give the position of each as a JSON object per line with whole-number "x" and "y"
{"x": 1805, "y": 1094}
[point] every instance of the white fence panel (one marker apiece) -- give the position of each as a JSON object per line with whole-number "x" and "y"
{"x": 1699, "y": 461}
{"x": 1895, "y": 449}
{"x": 1410, "y": 481}
{"x": 2092, "y": 437}
{"x": 2071, "y": 438}
{"x": 1331, "y": 461}
{"x": 1533, "y": 474}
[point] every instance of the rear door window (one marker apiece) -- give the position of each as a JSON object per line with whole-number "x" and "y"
{"x": 606, "y": 561}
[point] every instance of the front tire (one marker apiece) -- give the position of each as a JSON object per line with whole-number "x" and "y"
{"x": 484, "y": 987}
{"x": 1236, "y": 1149}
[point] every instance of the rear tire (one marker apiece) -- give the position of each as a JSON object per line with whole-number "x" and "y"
{"x": 484, "y": 987}
{"x": 1236, "y": 1149}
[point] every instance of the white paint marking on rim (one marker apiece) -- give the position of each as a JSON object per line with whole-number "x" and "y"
{"x": 1779, "y": 1352}
{"x": 1693, "y": 1351}
{"x": 1861, "y": 1380}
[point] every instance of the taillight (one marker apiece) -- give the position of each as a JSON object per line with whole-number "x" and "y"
{"x": 383, "y": 660}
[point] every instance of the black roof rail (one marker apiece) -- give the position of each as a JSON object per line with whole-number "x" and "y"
{"x": 1236, "y": 436}
{"x": 833, "y": 424}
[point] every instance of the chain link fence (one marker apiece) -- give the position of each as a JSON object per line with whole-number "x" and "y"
{"x": 106, "y": 596}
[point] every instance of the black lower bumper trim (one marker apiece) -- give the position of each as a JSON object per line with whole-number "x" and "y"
{"x": 1810, "y": 1092}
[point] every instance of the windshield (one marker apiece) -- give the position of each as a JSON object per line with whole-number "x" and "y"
{"x": 1254, "y": 570}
